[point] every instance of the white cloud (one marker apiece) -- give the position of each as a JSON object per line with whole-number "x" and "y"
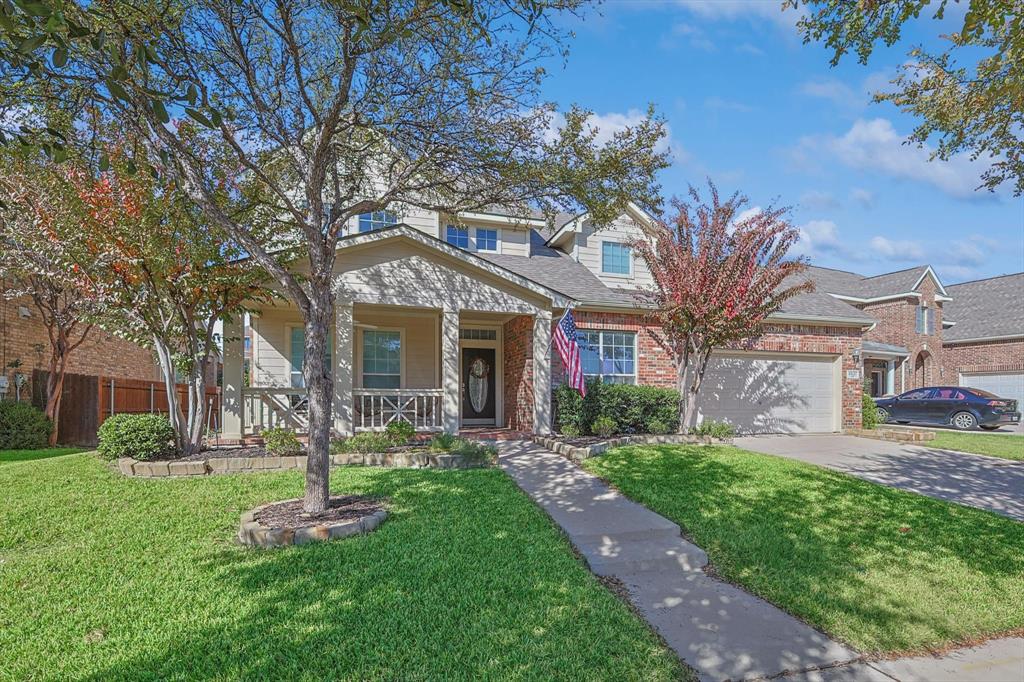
{"x": 896, "y": 249}
{"x": 746, "y": 214}
{"x": 834, "y": 90}
{"x": 819, "y": 200}
{"x": 820, "y": 238}
{"x": 863, "y": 197}
{"x": 693, "y": 36}
{"x": 874, "y": 145}
{"x": 609, "y": 123}
{"x": 751, "y": 10}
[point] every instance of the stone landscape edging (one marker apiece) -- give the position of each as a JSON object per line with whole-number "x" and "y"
{"x": 253, "y": 533}
{"x": 231, "y": 465}
{"x": 908, "y": 435}
{"x": 578, "y": 454}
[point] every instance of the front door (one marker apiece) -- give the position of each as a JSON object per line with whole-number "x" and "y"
{"x": 478, "y": 386}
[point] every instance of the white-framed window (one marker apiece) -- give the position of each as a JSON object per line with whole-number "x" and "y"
{"x": 925, "y": 320}
{"x": 486, "y": 239}
{"x": 297, "y": 354}
{"x": 382, "y": 359}
{"x": 610, "y": 355}
{"x": 616, "y": 258}
{"x": 457, "y": 236}
{"x": 368, "y": 222}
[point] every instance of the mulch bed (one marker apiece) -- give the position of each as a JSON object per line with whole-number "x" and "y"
{"x": 579, "y": 441}
{"x": 214, "y": 453}
{"x": 290, "y": 514}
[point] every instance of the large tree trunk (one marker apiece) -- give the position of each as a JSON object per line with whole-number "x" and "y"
{"x": 320, "y": 393}
{"x": 55, "y": 384}
{"x": 174, "y": 412}
{"x": 689, "y": 377}
{"x": 197, "y": 407}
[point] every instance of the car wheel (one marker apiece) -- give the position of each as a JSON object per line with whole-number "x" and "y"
{"x": 964, "y": 421}
{"x": 988, "y": 427}
{"x": 883, "y": 415}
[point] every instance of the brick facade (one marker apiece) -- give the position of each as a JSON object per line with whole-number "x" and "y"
{"x": 655, "y": 367}
{"x": 897, "y": 325}
{"x": 24, "y": 340}
{"x": 517, "y": 360}
{"x": 986, "y": 356}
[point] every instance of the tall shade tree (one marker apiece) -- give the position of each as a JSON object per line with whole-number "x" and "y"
{"x": 969, "y": 94}
{"x": 716, "y": 280}
{"x": 336, "y": 109}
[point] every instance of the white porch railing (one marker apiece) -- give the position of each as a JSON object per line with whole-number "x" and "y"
{"x": 375, "y": 408}
{"x": 265, "y": 408}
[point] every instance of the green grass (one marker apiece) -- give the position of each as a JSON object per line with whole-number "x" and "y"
{"x": 1006, "y": 447}
{"x": 882, "y": 569}
{"x": 9, "y": 456}
{"x": 104, "y": 577}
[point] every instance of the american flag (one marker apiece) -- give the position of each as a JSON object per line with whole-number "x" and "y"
{"x": 569, "y": 351}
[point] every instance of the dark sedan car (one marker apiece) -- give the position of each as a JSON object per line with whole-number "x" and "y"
{"x": 957, "y": 406}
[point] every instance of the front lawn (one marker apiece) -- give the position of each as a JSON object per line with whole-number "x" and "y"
{"x": 104, "y": 577}
{"x": 883, "y": 569}
{"x": 1007, "y": 447}
{"x": 8, "y": 456}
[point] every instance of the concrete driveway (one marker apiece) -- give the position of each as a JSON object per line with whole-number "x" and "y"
{"x": 974, "y": 480}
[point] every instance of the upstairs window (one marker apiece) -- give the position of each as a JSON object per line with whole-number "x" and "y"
{"x": 925, "y": 320}
{"x": 368, "y": 222}
{"x": 458, "y": 236}
{"x": 616, "y": 258}
{"x": 486, "y": 240}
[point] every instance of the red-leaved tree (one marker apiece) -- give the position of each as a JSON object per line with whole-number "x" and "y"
{"x": 716, "y": 279}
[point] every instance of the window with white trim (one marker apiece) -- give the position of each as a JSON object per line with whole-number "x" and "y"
{"x": 616, "y": 258}
{"x": 486, "y": 240}
{"x": 368, "y": 222}
{"x": 608, "y": 355}
{"x": 382, "y": 359}
{"x": 925, "y": 320}
{"x": 457, "y": 236}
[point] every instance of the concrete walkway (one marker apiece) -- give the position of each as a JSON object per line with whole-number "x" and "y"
{"x": 721, "y": 631}
{"x": 973, "y": 480}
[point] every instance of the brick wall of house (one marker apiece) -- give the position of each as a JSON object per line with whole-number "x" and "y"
{"x": 990, "y": 356}
{"x": 656, "y": 368}
{"x": 897, "y": 325}
{"x": 24, "y": 339}
{"x": 517, "y": 335}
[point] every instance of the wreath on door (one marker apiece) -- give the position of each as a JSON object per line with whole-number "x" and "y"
{"x": 479, "y": 371}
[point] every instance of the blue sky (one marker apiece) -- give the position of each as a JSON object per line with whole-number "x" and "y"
{"x": 756, "y": 110}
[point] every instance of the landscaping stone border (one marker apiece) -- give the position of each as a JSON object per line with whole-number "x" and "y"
{"x": 901, "y": 435}
{"x": 232, "y": 465}
{"x": 252, "y": 532}
{"x": 578, "y": 454}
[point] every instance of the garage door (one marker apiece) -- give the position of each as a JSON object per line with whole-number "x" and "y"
{"x": 771, "y": 393}
{"x": 1009, "y": 385}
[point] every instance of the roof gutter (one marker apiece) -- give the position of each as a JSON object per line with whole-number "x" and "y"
{"x": 1006, "y": 337}
{"x": 876, "y": 299}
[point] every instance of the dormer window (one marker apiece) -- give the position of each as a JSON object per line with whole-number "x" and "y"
{"x": 457, "y": 236}
{"x": 616, "y": 258}
{"x": 486, "y": 240}
{"x": 368, "y": 222}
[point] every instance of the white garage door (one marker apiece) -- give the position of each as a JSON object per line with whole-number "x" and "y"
{"x": 1010, "y": 385}
{"x": 771, "y": 393}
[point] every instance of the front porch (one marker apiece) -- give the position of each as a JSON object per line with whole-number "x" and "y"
{"x": 884, "y": 368}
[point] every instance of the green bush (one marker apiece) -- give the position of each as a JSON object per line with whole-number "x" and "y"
{"x": 632, "y": 407}
{"x": 604, "y": 426}
{"x": 715, "y": 429}
{"x": 869, "y": 412}
{"x": 365, "y": 442}
{"x": 400, "y": 432}
{"x": 443, "y": 442}
{"x": 570, "y": 431}
{"x": 23, "y": 427}
{"x": 140, "y": 436}
{"x": 281, "y": 442}
{"x": 657, "y": 427}
{"x": 474, "y": 451}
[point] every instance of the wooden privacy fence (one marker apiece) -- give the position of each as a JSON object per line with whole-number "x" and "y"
{"x": 88, "y": 401}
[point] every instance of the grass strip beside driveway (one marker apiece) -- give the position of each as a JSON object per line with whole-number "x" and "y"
{"x": 9, "y": 456}
{"x": 106, "y": 577}
{"x": 1003, "y": 446}
{"x": 883, "y": 569}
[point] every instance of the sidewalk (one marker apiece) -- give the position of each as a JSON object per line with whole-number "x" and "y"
{"x": 718, "y": 629}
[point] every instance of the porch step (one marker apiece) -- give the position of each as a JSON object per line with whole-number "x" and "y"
{"x": 638, "y": 555}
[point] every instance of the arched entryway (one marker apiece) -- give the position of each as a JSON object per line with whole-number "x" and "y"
{"x": 922, "y": 368}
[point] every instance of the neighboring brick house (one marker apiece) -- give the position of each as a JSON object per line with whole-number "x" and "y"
{"x": 25, "y": 346}
{"x": 926, "y": 334}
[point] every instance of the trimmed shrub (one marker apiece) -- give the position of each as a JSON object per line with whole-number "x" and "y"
{"x": 570, "y": 431}
{"x": 868, "y": 412}
{"x": 604, "y": 426}
{"x": 568, "y": 410}
{"x": 474, "y": 451}
{"x": 443, "y": 442}
{"x": 632, "y": 407}
{"x": 363, "y": 443}
{"x": 281, "y": 441}
{"x": 400, "y": 432}
{"x": 141, "y": 436}
{"x": 715, "y": 429}
{"x": 657, "y": 427}
{"x": 23, "y": 427}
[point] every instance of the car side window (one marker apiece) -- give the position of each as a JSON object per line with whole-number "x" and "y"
{"x": 920, "y": 394}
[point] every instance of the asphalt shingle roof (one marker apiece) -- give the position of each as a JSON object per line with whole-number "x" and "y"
{"x": 985, "y": 308}
{"x": 851, "y": 284}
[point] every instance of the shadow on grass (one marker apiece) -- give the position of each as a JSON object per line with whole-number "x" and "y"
{"x": 883, "y": 569}
{"x": 465, "y": 579}
{"x": 11, "y": 456}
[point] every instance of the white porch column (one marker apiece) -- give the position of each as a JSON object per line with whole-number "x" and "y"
{"x": 344, "y": 343}
{"x": 890, "y": 377}
{"x": 451, "y": 398}
{"x": 234, "y": 369}
{"x": 542, "y": 372}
